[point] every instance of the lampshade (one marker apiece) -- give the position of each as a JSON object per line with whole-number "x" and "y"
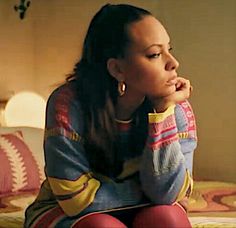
{"x": 25, "y": 109}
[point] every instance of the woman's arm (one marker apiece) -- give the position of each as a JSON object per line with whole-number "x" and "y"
{"x": 167, "y": 160}
{"x": 74, "y": 185}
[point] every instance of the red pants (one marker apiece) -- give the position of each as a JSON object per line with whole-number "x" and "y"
{"x": 163, "y": 216}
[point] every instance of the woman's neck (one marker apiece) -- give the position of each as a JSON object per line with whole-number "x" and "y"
{"x": 127, "y": 105}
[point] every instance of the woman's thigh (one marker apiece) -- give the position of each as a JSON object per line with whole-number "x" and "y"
{"x": 99, "y": 221}
{"x": 171, "y": 216}
{"x": 162, "y": 216}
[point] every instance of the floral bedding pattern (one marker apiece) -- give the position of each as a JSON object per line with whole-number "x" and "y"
{"x": 212, "y": 204}
{"x": 20, "y": 170}
{"x": 21, "y": 174}
{"x": 12, "y": 209}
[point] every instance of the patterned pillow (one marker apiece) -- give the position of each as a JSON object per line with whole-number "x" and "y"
{"x": 19, "y": 169}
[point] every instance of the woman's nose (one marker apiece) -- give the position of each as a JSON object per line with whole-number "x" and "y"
{"x": 172, "y": 63}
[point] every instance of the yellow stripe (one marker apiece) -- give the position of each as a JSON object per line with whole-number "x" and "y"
{"x": 159, "y": 117}
{"x": 82, "y": 200}
{"x": 130, "y": 167}
{"x": 72, "y": 135}
{"x": 64, "y": 187}
{"x": 183, "y": 135}
{"x": 188, "y": 183}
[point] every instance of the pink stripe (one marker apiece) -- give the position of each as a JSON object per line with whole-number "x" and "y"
{"x": 62, "y": 103}
{"x": 161, "y": 141}
{"x": 163, "y": 131}
{"x": 49, "y": 217}
{"x": 189, "y": 115}
{"x": 166, "y": 123}
{"x": 164, "y": 143}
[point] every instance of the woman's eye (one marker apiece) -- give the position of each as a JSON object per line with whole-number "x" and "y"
{"x": 155, "y": 55}
{"x": 170, "y": 49}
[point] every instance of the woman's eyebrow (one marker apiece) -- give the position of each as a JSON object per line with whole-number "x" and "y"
{"x": 155, "y": 45}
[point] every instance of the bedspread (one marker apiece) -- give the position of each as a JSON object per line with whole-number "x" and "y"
{"x": 212, "y": 204}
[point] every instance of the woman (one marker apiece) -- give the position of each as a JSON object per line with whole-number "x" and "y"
{"x": 120, "y": 134}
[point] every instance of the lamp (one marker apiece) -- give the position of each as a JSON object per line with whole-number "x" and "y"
{"x": 25, "y": 109}
{"x": 3, "y": 103}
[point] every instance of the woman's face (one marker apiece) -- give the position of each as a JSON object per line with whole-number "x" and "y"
{"x": 149, "y": 67}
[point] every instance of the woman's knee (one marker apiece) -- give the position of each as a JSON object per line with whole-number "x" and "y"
{"x": 99, "y": 221}
{"x": 162, "y": 216}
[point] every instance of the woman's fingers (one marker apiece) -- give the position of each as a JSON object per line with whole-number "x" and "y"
{"x": 183, "y": 91}
{"x": 191, "y": 89}
{"x": 183, "y": 84}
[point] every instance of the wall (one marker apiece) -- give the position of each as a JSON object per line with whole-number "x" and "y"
{"x": 63, "y": 25}
{"x": 37, "y": 53}
{"x": 17, "y": 51}
{"x": 204, "y": 35}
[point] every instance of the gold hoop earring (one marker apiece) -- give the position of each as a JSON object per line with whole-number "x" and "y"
{"x": 121, "y": 88}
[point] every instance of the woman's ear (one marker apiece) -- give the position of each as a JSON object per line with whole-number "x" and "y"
{"x": 114, "y": 68}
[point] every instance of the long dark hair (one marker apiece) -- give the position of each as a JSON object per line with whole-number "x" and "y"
{"x": 107, "y": 37}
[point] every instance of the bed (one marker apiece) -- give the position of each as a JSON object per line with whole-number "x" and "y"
{"x": 212, "y": 204}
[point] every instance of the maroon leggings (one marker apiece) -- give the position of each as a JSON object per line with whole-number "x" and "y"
{"x": 163, "y": 216}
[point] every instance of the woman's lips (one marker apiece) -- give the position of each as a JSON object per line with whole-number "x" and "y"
{"x": 172, "y": 81}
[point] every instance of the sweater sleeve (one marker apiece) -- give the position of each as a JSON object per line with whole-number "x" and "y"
{"x": 166, "y": 167}
{"x": 74, "y": 185}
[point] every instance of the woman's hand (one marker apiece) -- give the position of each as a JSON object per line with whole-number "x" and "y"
{"x": 182, "y": 92}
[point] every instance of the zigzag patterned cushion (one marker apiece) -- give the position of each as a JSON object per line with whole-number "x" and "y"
{"x": 20, "y": 171}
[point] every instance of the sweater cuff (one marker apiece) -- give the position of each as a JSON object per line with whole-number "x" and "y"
{"x": 159, "y": 117}
{"x": 162, "y": 128}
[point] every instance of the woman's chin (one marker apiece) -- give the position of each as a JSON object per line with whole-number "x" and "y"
{"x": 171, "y": 89}
{"x": 164, "y": 93}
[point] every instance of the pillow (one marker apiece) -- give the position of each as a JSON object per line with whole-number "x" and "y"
{"x": 20, "y": 171}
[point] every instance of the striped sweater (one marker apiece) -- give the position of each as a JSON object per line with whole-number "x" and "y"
{"x": 158, "y": 174}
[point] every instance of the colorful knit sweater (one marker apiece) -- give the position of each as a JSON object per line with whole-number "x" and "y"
{"x": 158, "y": 174}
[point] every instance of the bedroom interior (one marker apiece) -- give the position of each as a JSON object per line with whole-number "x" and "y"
{"x": 39, "y": 50}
